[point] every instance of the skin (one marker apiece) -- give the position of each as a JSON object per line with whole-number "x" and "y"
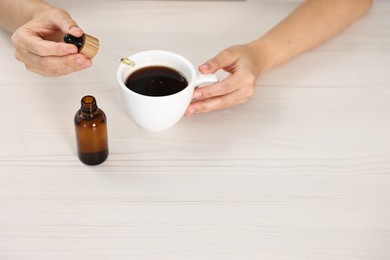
{"x": 320, "y": 20}
{"x": 37, "y": 28}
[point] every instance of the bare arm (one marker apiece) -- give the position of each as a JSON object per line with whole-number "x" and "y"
{"x": 309, "y": 25}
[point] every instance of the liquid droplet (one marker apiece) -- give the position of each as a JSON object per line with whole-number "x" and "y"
{"x": 127, "y": 61}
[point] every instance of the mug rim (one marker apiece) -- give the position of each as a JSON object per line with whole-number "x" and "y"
{"x": 122, "y": 66}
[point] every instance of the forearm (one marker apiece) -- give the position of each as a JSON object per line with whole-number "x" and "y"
{"x": 312, "y": 23}
{"x": 15, "y": 13}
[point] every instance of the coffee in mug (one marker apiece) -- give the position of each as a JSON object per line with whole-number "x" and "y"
{"x": 156, "y": 81}
{"x": 159, "y": 88}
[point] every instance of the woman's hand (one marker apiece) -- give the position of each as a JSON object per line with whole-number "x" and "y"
{"x": 40, "y": 47}
{"x": 242, "y": 62}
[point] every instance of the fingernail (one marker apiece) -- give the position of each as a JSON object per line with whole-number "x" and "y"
{"x": 197, "y": 95}
{"x": 78, "y": 61}
{"x": 74, "y": 28}
{"x": 205, "y": 66}
{"x": 72, "y": 50}
{"x": 88, "y": 63}
{"x": 83, "y": 63}
{"x": 192, "y": 111}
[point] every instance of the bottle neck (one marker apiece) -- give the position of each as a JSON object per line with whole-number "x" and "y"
{"x": 88, "y": 106}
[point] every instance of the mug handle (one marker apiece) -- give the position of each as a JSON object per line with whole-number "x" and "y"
{"x": 205, "y": 78}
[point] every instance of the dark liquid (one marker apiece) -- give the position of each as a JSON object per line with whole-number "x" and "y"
{"x": 91, "y": 132}
{"x": 93, "y": 158}
{"x": 156, "y": 81}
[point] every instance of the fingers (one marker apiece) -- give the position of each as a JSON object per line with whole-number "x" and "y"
{"x": 59, "y": 19}
{"x": 46, "y": 57}
{"x": 223, "y": 60}
{"x": 39, "y": 44}
{"x": 23, "y": 40}
{"x": 211, "y": 104}
{"x": 231, "y": 91}
{"x": 38, "y": 35}
{"x": 53, "y": 65}
{"x": 68, "y": 25}
{"x": 218, "y": 89}
{"x": 244, "y": 68}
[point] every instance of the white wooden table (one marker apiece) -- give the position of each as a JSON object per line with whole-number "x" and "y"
{"x": 301, "y": 171}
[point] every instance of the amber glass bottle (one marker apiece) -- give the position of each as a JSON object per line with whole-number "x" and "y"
{"x": 91, "y": 132}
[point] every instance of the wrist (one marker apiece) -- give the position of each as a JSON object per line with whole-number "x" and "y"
{"x": 264, "y": 53}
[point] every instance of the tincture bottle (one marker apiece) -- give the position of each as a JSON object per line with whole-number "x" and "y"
{"x": 91, "y": 132}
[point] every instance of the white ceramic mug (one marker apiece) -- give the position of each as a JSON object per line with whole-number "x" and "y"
{"x": 158, "y": 113}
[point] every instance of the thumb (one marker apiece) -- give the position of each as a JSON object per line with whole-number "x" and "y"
{"x": 65, "y": 23}
{"x": 221, "y": 60}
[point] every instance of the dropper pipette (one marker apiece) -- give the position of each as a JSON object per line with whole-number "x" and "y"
{"x": 89, "y": 46}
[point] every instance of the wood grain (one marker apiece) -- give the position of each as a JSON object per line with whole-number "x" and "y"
{"x": 301, "y": 171}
